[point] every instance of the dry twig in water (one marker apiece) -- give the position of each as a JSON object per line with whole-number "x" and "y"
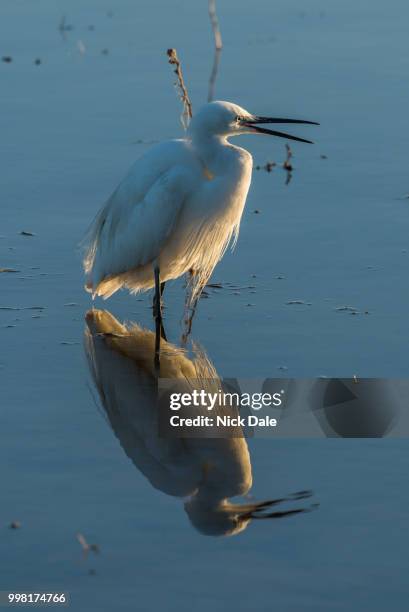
{"x": 215, "y": 24}
{"x": 180, "y": 84}
{"x": 85, "y": 546}
{"x": 287, "y": 165}
{"x": 218, "y": 48}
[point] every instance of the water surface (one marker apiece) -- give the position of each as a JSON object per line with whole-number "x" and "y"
{"x": 335, "y": 236}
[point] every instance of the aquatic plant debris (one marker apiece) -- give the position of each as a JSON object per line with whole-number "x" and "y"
{"x": 187, "y": 112}
{"x": 64, "y": 26}
{"x": 291, "y": 302}
{"x": 287, "y": 165}
{"x": 87, "y": 547}
{"x": 268, "y": 166}
{"x": 351, "y": 308}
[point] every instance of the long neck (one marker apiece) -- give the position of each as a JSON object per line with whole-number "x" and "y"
{"x": 226, "y": 472}
{"x": 213, "y": 152}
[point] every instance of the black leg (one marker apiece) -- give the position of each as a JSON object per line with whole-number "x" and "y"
{"x": 162, "y": 329}
{"x": 158, "y": 320}
{"x": 155, "y": 307}
{"x": 162, "y": 289}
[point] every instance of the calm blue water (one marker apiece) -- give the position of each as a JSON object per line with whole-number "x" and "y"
{"x": 336, "y": 235}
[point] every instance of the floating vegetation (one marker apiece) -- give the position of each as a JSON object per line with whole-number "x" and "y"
{"x": 352, "y": 310}
{"x": 287, "y": 165}
{"x": 22, "y": 308}
{"x": 87, "y": 547}
{"x": 64, "y": 27}
{"x": 268, "y": 166}
{"x": 15, "y": 525}
{"x": 300, "y": 302}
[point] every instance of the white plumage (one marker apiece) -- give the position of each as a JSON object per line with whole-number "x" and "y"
{"x": 178, "y": 208}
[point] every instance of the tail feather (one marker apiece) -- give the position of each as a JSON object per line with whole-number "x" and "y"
{"x": 107, "y": 287}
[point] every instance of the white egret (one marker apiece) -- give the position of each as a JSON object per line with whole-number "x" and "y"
{"x": 205, "y": 472}
{"x": 178, "y": 208}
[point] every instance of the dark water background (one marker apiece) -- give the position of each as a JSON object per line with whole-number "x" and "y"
{"x": 336, "y": 236}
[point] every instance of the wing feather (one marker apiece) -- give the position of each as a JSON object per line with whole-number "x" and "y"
{"x": 133, "y": 225}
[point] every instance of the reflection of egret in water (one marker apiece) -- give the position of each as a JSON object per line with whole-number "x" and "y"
{"x": 206, "y": 472}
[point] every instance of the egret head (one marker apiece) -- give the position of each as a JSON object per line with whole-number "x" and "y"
{"x": 224, "y": 518}
{"x": 225, "y": 119}
{"x": 221, "y": 519}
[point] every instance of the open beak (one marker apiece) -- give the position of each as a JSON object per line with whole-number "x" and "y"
{"x": 252, "y": 124}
